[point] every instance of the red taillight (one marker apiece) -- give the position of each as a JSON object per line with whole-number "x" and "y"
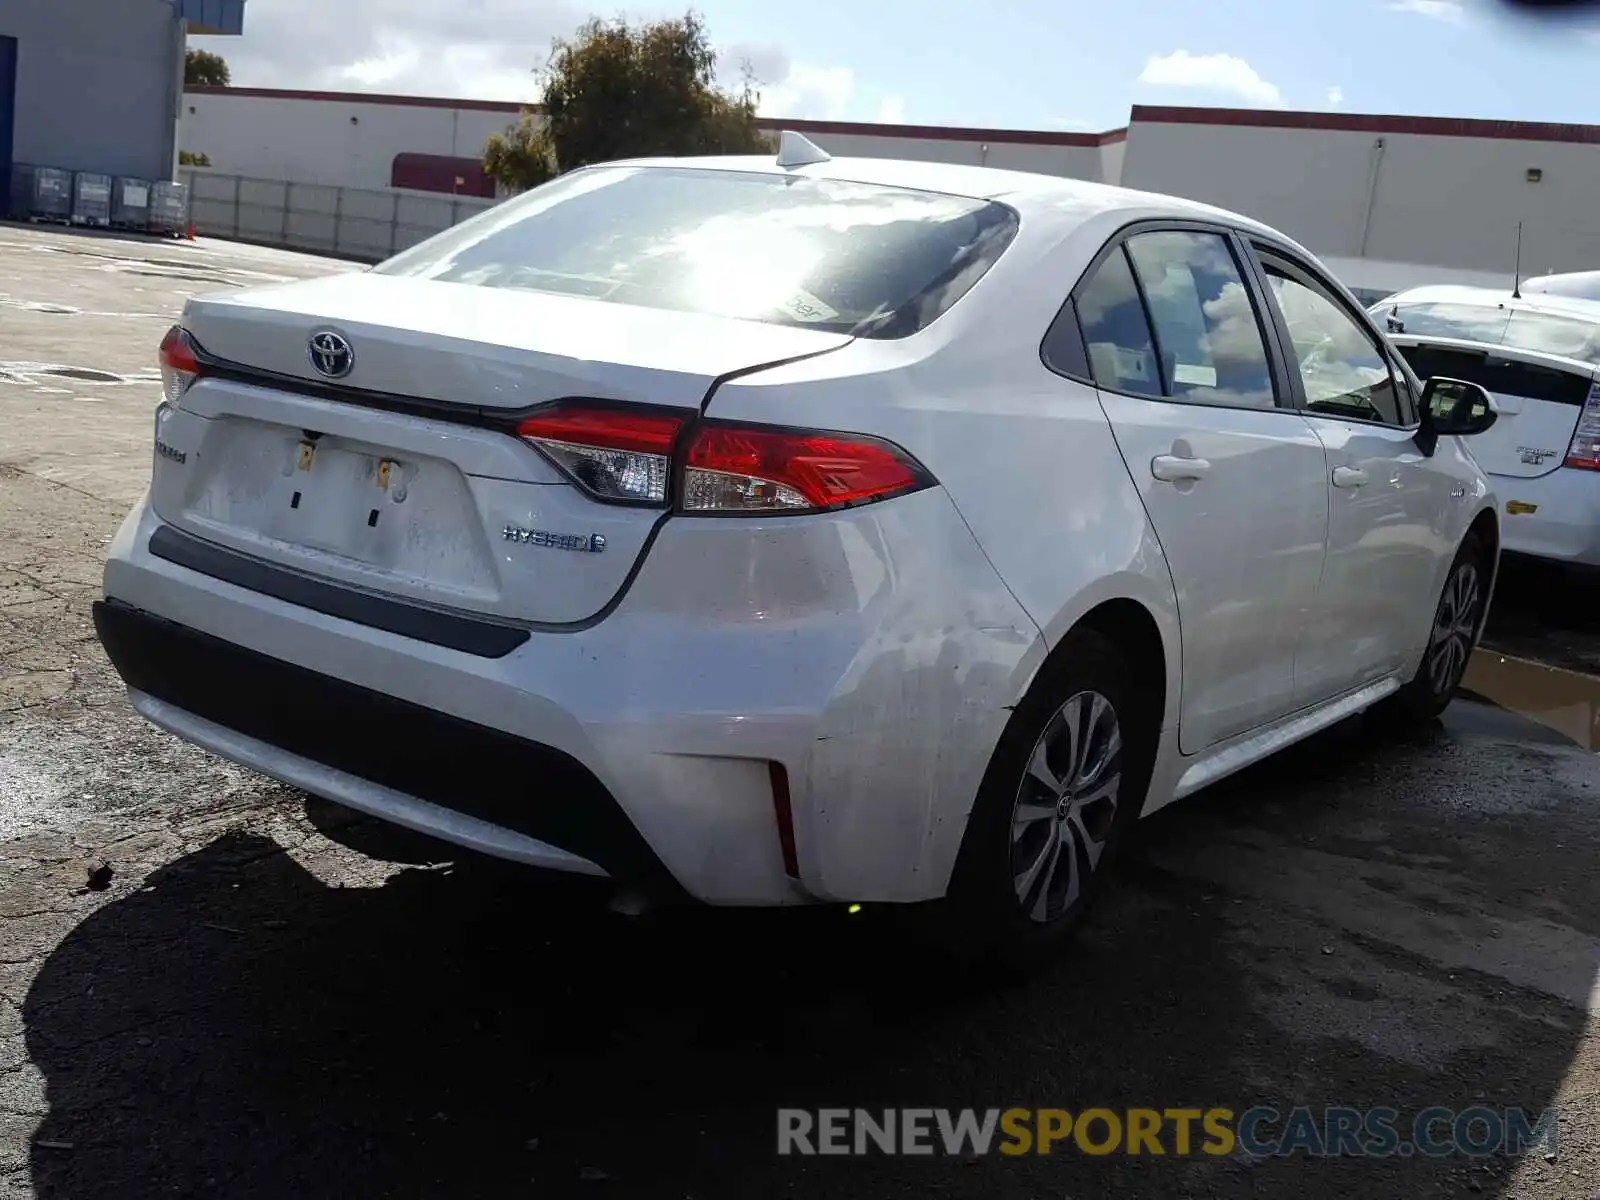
{"x": 624, "y": 454}
{"x": 180, "y": 367}
{"x": 1583, "y": 452}
{"x": 752, "y": 469}
{"x": 615, "y": 453}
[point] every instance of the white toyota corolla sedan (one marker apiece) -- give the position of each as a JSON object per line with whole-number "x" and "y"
{"x": 780, "y": 531}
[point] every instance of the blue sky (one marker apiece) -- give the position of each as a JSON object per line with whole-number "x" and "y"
{"x": 1044, "y": 64}
{"x": 1075, "y": 63}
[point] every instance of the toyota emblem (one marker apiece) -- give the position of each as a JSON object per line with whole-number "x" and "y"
{"x": 331, "y": 354}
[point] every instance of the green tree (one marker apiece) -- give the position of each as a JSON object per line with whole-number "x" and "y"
{"x": 521, "y": 157}
{"x": 619, "y": 90}
{"x": 201, "y": 68}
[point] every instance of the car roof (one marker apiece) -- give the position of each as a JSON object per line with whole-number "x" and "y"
{"x": 1583, "y": 285}
{"x": 1480, "y": 297}
{"x": 1027, "y": 191}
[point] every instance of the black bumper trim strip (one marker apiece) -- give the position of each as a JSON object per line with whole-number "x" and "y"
{"x": 470, "y": 635}
{"x": 518, "y": 784}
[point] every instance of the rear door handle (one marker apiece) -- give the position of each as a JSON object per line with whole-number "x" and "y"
{"x": 1349, "y": 477}
{"x": 1169, "y": 468}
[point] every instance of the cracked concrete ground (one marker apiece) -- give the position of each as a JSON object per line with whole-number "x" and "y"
{"x": 266, "y": 996}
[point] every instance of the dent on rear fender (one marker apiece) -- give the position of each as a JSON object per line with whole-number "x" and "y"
{"x": 889, "y": 798}
{"x": 874, "y": 652}
{"x": 904, "y": 740}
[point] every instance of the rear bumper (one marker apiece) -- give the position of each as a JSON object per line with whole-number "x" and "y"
{"x": 871, "y": 654}
{"x": 424, "y": 769}
{"x": 1565, "y": 526}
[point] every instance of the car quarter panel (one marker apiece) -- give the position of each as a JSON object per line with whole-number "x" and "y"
{"x": 1027, "y": 456}
{"x": 1029, "y": 461}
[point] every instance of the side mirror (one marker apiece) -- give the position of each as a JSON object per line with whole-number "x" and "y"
{"x": 1453, "y": 408}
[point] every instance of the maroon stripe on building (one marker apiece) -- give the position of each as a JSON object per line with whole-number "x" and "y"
{"x": 939, "y": 133}
{"x": 361, "y": 98}
{"x": 1526, "y": 131}
{"x": 1520, "y": 131}
{"x": 947, "y": 133}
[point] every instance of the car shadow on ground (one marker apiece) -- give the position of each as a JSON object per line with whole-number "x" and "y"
{"x": 238, "y": 1027}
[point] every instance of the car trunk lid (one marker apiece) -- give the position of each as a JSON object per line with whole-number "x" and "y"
{"x": 405, "y": 476}
{"x": 498, "y": 349}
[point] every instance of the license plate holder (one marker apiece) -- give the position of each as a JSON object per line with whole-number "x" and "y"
{"x": 338, "y": 497}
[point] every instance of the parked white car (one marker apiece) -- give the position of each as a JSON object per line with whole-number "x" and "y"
{"x": 1539, "y": 356}
{"x": 780, "y": 532}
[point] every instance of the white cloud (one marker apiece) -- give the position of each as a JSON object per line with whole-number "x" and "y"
{"x": 789, "y": 88}
{"x": 892, "y": 111}
{"x": 1221, "y": 73}
{"x": 1438, "y": 10}
{"x": 471, "y": 49}
{"x": 483, "y": 50}
{"x": 1335, "y": 97}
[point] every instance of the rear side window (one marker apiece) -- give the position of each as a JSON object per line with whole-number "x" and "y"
{"x": 1122, "y": 355}
{"x": 1202, "y": 342}
{"x": 879, "y": 262}
{"x": 1205, "y": 324}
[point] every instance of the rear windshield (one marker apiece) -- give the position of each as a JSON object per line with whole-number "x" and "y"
{"x": 1505, "y": 376}
{"x": 1519, "y": 328}
{"x": 874, "y": 261}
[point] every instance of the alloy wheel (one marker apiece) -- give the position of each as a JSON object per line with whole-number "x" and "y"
{"x": 1454, "y": 627}
{"x": 1066, "y": 806}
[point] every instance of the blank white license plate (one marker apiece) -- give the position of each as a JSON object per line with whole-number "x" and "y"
{"x": 339, "y": 499}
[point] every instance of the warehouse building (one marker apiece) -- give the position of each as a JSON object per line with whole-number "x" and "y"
{"x": 97, "y": 85}
{"x": 363, "y": 140}
{"x": 1389, "y": 202}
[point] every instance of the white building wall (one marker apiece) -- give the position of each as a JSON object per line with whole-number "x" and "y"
{"x": 1113, "y": 153}
{"x": 1450, "y": 201}
{"x": 1458, "y": 201}
{"x": 1312, "y": 187}
{"x": 984, "y": 148}
{"x": 1439, "y": 200}
{"x": 328, "y": 138}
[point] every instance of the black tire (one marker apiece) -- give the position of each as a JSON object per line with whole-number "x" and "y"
{"x": 1452, "y": 634}
{"x": 983, "y": 916}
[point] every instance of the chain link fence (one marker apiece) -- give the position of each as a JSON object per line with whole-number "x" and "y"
{"x": 355, "y": 223}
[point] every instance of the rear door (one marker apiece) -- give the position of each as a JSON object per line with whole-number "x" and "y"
{"x": 1540, "y": 397}
{"x": 1388, "y": 504}
{"x": 1231, "y": 476}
